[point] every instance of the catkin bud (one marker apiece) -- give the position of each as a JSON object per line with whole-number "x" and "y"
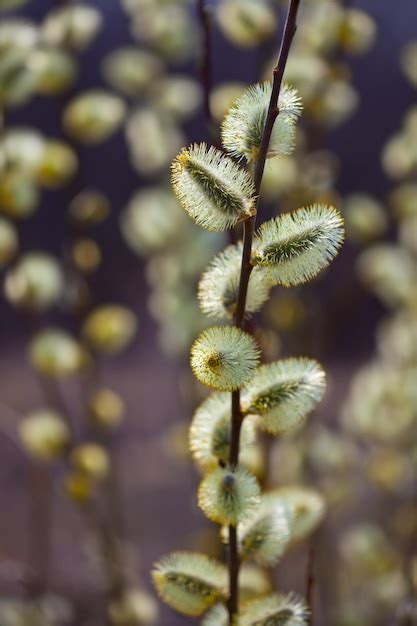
{"x": 86, "y": 255}
{"x": 73, "y": 26}
{"x": 18, "y": 194}
{"x": 273, "y": 610}
{"x": 106, "y": 408}
{"x": 35, "y": 282}
{"x": 224, "y": 357}
{"x": 283, "y": 393}
{"x": 55, "y": 70}
{"x": 246, "y": 23}
{"x": 55, "y": 354}
{"x": 135, "y": 608}
{"x": 94, "y": 116}
{"x": 44, "y": 434}
{"x": 57, "y": 165}
{"x": 294, "y": 247}
{"x": 110, "y": 328}
{"x": 243, "y": 125}
{"x": 190, "y": 582}
{"x": 8, "y": 241}
{"x": 214, "y": 191}
{"x": 89, "y": 207}
{"x": 130, "y": 70}
{"x": 91, "y": 460}
{"x": 229, "y": 497}
{"x": 78, "y": 487}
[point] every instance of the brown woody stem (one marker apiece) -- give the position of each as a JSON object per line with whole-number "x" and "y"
{"x": 246, "y": 269}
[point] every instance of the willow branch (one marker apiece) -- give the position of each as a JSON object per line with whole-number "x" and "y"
{"x": 245, "y": 272}
{"x": 277, "y": 76}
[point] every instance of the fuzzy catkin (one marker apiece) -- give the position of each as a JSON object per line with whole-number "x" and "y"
{"x": 243, "y": 125}
{"x": 283, "y": 393}
{"x": 224, "y": 357}
{"x": 294, "y": 247}
{"x": 215, "y": 192}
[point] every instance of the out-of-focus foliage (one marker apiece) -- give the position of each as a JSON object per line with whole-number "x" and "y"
{"x": 381, "y": 406}
{"x": 51, "y": 610}
{"x": 69, "y": 448}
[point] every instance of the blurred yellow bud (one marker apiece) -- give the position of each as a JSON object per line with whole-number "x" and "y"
{"x": 366, "y": 548}
{"x": 106, "y": 408}
{"x": 223, "y": 96}
{"x": 388, "y": 469}
{"x": 285, "y": 312}
{"x": 280, "y": 176}
{"x": 246, "y": 23}
{"x": 17, "y": 33}
{"x": 177, "y": 95}
{"x": 135, "y": 608}
{"x": 407, "y": 234}
{"x": 357, "y": 32}
{"x": 54, "y": 70}
{"x": 365, "y": 217}
{"x": 35, "y": 282}
{"x": 305, "y": 70}
{"x": 92, "y": 116}
{"x": 86, "y": 255}
{"x": 404, "y": 200}
{"x": 169, "y": 30}
{"x": 254, "y": 582}
{"x": 409, "y": 62}
{"x": 334, "y": 104}
{"x": 398, "y": 156}
{"x": 89, "y": 207}
{"x": 17, "y": 80}
{"x": 91, "y": 460}
{"x": 78, "y": 487}
{"x": 321, "y": 26}
{"x": 131, "y": 70}
{"x": 153, "y": 140}
{"x": 307, "y": 506}
{"x": 22, "y": 148}
{"x": 318, "y": 171}
{"x": 54, "y": 353}
{"x": 73, "y": 26}
{"x": 18, "y": 194}
{"x": 44, "y": 434}
{"x": 8, "y": 241}
{"x": 152, "y": 220}
{"x": 110, "y": 328}
{"x": 57, "y": 165}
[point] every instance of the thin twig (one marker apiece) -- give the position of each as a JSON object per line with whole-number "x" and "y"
{"x": 40, "y": 497}
{"x": 278, "y": 73}
{"x": 245, "y": 272}
{"x": 107, "y": 548}
{"x": 40, "y": 518}
{"x": 206, "y": 65}
{"x": 310, "y": 580}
